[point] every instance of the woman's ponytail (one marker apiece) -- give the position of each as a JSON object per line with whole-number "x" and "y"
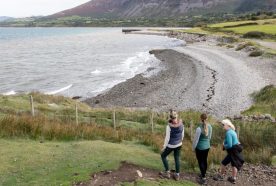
{"x": 203, "y": 118}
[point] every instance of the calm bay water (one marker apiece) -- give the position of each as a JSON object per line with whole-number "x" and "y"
{"x": 73, "y": 61}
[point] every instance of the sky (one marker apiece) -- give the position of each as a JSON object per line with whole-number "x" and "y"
{"x": 27, "y": 8}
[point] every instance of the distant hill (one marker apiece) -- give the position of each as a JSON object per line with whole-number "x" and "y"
{"x": 163, "y": 8}
{"x": 5, "y": 18}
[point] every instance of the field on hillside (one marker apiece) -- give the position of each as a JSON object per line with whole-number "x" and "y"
{"x": 268, "y": 29}
{"x": 241, "y": 23}
{"x": 239, "y": 28}
{"x": 28, "y": 162}
{"x": 267, "y": 26}
{"x": 52, "y": 148}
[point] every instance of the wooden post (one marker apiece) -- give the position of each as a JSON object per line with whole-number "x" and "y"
{"x": 151, "y": 121}
{"x": 32, "y": 105}
{"x": 77, "y": 119}
{"x": 238, "y": 132}
{"x": 114, "y": 119}
{"x": 191, "y": 130}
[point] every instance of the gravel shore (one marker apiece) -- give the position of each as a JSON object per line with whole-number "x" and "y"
{"x": 172, "y": 87}
{"x": 200, "y": 76}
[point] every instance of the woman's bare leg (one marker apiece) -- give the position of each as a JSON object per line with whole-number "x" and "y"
{"x": 222, "y": 169}
{"x": 234, "y": 172}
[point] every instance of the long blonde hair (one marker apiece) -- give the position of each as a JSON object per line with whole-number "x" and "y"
{"x": 203, "y": 118}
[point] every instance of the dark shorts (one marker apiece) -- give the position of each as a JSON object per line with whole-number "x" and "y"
{"x": 227, "y": 160}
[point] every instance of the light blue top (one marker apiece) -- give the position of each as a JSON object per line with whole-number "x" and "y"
{"x": 231, "y": 139}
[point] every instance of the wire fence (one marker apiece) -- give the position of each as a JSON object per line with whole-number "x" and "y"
{"x": 251, "y": 134}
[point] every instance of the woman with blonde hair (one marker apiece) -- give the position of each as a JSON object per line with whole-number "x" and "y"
{"x": 232, "y": 145}
{"x": 172, "y": 142}
{"x": 201, "y": 145}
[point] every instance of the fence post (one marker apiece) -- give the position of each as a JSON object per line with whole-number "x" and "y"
{"x": 151, "y": 121}
{"x": 114, "y": 119}
{"x": 32, "y": 105}
{"x": 238, "y": 132}
{"x": 191, "y": 130}
{"x": 77, "y": 119}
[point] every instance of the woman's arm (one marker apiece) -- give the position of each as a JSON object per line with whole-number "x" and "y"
{"x": 196, "y": 137}
{"x": 167, "y": 138}
{"x": 211, "y": 131}
{"x": 183, "y": 132}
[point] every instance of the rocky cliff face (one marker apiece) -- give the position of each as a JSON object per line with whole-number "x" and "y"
{"x": 161, "y": 8}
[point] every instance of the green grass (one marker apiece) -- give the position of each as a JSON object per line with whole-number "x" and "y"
{"x": 27, "y": 162}
{"x": 42, "y": 103}
{"x": 265, "y": 102}
{"x": 267, "y": 29}
{"x": 274, "y": 161}
{"x": 237, "y": 23}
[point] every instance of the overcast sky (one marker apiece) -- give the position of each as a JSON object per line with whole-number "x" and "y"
{"x": 26, "y": 8}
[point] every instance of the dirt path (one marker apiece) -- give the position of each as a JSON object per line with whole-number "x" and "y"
{"x": 250, "y": 175}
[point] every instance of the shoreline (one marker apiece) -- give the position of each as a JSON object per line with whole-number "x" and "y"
{"x": 203, "y": 77}
{"x": 157, "y": 91}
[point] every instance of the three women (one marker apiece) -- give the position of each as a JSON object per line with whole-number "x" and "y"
{"x": 201, "y": 146}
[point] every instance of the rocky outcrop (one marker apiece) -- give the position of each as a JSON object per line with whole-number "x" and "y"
{"x": 253, "y": 118}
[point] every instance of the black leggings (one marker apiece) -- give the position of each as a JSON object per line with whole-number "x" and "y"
{"x": 201, "y": 156}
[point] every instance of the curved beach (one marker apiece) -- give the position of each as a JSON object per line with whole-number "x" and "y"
{"x": 200, "y": 77}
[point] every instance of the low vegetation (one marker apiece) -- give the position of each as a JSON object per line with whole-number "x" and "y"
{"x": 195, "y": 19}
{"x": 28, "y": 162}
{"x": 265, "y": 102}
{"x": 61, "y": 139}
{"x": 256, "y": 53}
{"x": 245, "y": 34}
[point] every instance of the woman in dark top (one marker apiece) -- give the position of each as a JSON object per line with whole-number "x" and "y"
{"x": 172, "y": 142}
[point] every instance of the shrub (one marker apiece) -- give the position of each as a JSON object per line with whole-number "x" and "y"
{"x": 230, "y": 46}
{"x": 256, "y": 53}
{"x": 254, "y": 34}
{"x": 243, "y": 45}
{"x": 242, "y": 24}
{"x": 227, "y": 39}
{"x": 266, "y": 95}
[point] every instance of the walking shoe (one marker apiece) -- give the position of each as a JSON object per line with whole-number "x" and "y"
{"x": 165, "y": 174}
{"x": 218, "y": 177}
{"x": 203, "y": 181}
{"x": 176, "y": 176}
{"x": 231, "y": 180}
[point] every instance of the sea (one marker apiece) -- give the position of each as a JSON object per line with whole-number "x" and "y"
{"x": 74, "y": 61}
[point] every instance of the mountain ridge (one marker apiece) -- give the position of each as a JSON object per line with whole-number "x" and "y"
{"x": 163, "y": 8}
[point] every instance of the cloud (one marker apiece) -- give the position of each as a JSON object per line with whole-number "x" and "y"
{"x": 25, "y": 8}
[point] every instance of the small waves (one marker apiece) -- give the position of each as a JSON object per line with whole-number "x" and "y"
{"x": 89, "y": 59}
{"x": 139, "y": 64}
{"x": 175, "y": 43}
{"x": 96, "y": 71}
{"x": 59, "y": 90}
{"x": 12, "y": 92}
